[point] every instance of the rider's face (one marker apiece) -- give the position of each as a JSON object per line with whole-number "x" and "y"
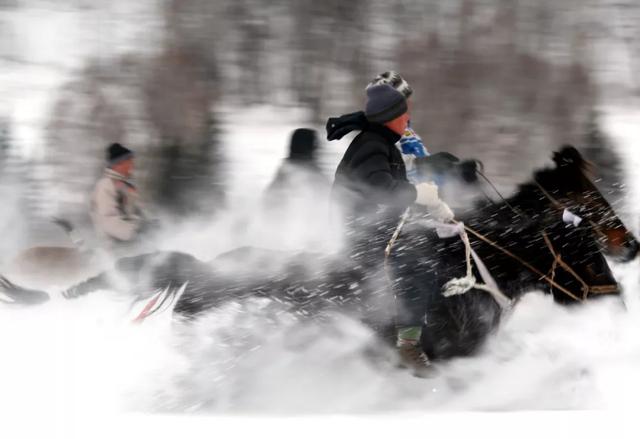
{"x": 124, "y": 167}
{"x": 399, "y": 124}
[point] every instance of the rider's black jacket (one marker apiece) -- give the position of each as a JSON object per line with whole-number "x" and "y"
{"x": 371, "y": 174}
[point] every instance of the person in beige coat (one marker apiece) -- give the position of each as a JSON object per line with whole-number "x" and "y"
{"x": 115, "y": 207}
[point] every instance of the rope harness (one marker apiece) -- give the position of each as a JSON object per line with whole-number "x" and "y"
{"x": 550, "y": 276}
{"x": 464, "y": 284}
{"x": 391, "y": 243}
{"x": 460, "y": 285}
{"x": 396, "y": 234}
{"x": 558, "y": 261}
{"x": 586, "y": 288}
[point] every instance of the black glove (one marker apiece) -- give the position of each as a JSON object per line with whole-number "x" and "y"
{"x": 469, "y": 169}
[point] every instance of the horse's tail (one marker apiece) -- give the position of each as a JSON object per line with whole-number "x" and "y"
{"x": 73, "y": 234}
{"x": 12, "y": 294}
{"x": 161, "y": 301}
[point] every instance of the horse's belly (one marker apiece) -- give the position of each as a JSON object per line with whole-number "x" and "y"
{"x": 51, "y": 267}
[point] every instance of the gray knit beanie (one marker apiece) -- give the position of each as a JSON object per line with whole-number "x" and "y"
{"x": 384, "y": 104}
{"x": 394, "y": 80}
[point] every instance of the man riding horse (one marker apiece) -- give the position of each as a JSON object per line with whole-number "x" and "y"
{"x": 521, "y": 240}
{"x": 371, "y": 186}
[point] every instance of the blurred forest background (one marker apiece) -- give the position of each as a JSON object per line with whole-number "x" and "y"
{"x": 505, "y": 81}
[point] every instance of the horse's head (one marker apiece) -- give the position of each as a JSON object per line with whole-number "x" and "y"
{"x": 457, "y": 180}
{"x": 571, "y": 187}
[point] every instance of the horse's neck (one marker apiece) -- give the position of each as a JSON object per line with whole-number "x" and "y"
{"x": 516, "y": 227}
{"x": 527, "y": 207}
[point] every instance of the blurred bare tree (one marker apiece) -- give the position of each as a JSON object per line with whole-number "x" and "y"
{"x": 14, "y": 184}
{"x": 4, "y": 137}
{"x": 598, "y": 149}
{"x": 505, "y": 81}
{"x": 491, "y": 88}
{"x": 329, "y": 39}
{"x": 625, "y": 17}
{"x": 160, "y": 106}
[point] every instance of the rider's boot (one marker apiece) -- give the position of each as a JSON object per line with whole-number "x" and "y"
{"x": 411, "y": 354}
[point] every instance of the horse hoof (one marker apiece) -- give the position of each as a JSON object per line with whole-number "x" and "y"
{"x": 14, "y": 295}
{"x": 33, "y": 297}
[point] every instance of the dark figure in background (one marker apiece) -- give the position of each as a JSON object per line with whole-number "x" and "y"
{"x": 372, "y": 188}
{"x": 300, "y": 169}
{"x": 296, "y": 202}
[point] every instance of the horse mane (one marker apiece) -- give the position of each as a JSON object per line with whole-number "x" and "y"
{"x": 568, "y": 175}
{"x": 570, "y": 171}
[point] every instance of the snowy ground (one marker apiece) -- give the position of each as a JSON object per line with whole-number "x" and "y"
{"x": 82, "y": 368}
{"x": 86, "y": 357}
{"x": 83, "y": 362}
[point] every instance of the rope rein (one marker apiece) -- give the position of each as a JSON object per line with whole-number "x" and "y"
{"x": 456, "y": 286}
{"x": 558, "y": 261}
{"x": 396, "y": 233}
{"x": 531, "y": 268}
{"x": 586, "y": 288}
{"x": 462, "y": 285}
{"x": 504, "y": 200}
